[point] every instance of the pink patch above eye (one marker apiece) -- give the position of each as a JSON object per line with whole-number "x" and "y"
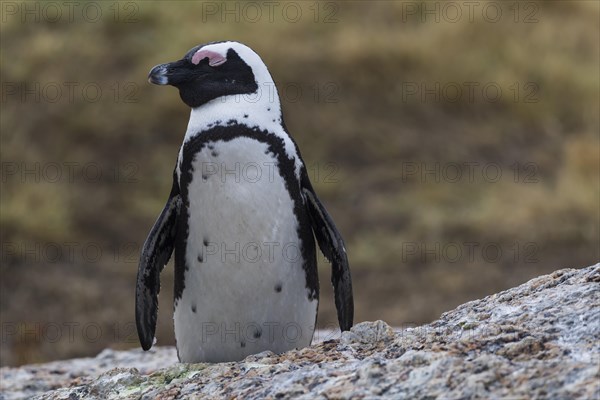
{"x": 214, "y": 58}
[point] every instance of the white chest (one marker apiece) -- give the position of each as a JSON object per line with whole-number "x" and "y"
{"x": 245, "y": 286}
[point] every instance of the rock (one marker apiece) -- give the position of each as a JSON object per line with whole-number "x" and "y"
{"x": 538, "y": 340}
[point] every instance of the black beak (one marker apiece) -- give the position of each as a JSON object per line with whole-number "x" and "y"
{"x": 159, "y": 75}
{"x": 175, "y": 73}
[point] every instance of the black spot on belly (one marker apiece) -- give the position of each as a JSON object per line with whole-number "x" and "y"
{"x": 243, "y": 344}
{"x": 257, "y": 333}
{"x": 205, "y": 242}
{"x": 278, "y": 288}
{"x": 211, "y": 146}
{"x": 200, "y": 258}
{"x": 245, "y": 115}
{"x": 194, "y": 308}
{"x": 204, "y": 177}
{"x": 214, "y": 153}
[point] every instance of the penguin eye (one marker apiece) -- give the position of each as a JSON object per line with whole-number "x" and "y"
{"x": 214, "y": 59}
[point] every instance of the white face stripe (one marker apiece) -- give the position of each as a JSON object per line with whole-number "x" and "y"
{"x": 260, "y": 109}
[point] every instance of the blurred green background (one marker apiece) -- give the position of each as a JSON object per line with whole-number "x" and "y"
{"x": 456, "y": 146}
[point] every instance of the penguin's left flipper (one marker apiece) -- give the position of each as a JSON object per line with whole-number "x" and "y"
{"x": 332, "y": 245}
{"x": 155, "y": 254}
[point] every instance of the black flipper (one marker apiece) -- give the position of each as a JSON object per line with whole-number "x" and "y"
{"x": 155, "y": 254}
{"x": 332, "y": 245}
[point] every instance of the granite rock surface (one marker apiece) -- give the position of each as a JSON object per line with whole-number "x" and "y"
{"x": 538, "y": 340}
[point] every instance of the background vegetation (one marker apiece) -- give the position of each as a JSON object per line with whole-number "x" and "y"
{"x": 419, "y": 242}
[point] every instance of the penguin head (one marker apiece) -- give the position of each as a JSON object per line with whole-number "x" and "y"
{"x": 213, "y": 70}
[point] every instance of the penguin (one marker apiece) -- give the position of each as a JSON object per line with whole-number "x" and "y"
{"x": 241, "y": 218}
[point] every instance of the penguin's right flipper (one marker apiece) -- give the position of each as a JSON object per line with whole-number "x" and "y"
{"x": 155, "y": 254}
